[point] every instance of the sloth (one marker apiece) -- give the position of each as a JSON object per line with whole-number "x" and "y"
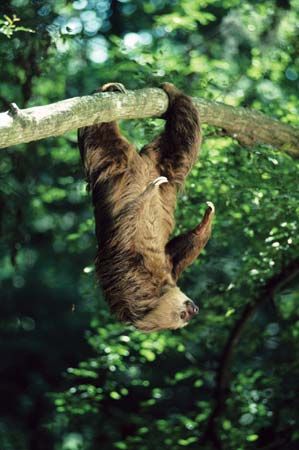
{"x": 134, "y": 197}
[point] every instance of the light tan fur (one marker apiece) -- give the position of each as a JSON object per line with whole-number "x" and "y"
{"x": 166, "y": 315}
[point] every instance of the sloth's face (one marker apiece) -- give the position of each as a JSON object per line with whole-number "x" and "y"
{"x": 173, "y": 311}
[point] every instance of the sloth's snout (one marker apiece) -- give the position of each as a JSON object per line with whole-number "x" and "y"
{"x": 192, "y": 309}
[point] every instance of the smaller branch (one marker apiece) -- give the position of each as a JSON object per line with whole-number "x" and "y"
{"x": 13, "y": 109}
{"x": 18, "y": 115}
{"x": 273, "y": 285}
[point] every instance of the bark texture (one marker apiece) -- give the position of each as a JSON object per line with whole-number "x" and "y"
{"x": 248, "y": 127}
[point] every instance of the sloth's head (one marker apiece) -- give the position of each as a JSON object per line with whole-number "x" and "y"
{"x": 174, "y": 310}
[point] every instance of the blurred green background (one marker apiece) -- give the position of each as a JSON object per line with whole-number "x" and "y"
{"x": 71, "y": 378}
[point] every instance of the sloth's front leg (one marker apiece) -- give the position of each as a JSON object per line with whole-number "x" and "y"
{"x": 184, "y": 249}
{"x": 135, "y": 219}
{"x": 134, "y": 209}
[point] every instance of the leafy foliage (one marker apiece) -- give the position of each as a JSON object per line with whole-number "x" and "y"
{"x": 8, "y": 26}
{"x": 122, "y": 389}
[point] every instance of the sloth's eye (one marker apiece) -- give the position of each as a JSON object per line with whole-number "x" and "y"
{"x": 183, "y": 315}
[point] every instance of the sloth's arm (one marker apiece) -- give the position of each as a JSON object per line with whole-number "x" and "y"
{"x": 135, "y": 208}
{"x": 184, "y": 249}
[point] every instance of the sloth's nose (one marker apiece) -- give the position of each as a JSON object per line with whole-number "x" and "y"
{"x": 192, "y": 309}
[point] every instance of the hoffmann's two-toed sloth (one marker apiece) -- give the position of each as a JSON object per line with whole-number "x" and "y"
{"x": 134, "y": 196}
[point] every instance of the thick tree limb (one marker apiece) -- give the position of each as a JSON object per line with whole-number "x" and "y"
{"x": 268, "y": 291}
{"x": 248, "y": 127}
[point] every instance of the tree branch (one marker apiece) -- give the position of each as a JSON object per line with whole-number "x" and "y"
{"x": 273, "y": 285}
{"x": 248, "y": 127}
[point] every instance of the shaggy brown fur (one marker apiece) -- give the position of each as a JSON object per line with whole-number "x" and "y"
{"x": 134, "y": 196}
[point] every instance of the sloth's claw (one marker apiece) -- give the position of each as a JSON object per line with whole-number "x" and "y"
{"x": 211, "y": 206}
{"x": 159, "y": 180}
{"x": 114, "y": 87}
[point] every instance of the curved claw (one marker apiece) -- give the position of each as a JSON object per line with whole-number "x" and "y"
{"x": 114, "y": 87}
{"x": 159, "y": 180}
{"x": 211, "y": 206}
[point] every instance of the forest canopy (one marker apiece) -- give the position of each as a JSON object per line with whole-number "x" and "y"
{"x": 72, "y": 378}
